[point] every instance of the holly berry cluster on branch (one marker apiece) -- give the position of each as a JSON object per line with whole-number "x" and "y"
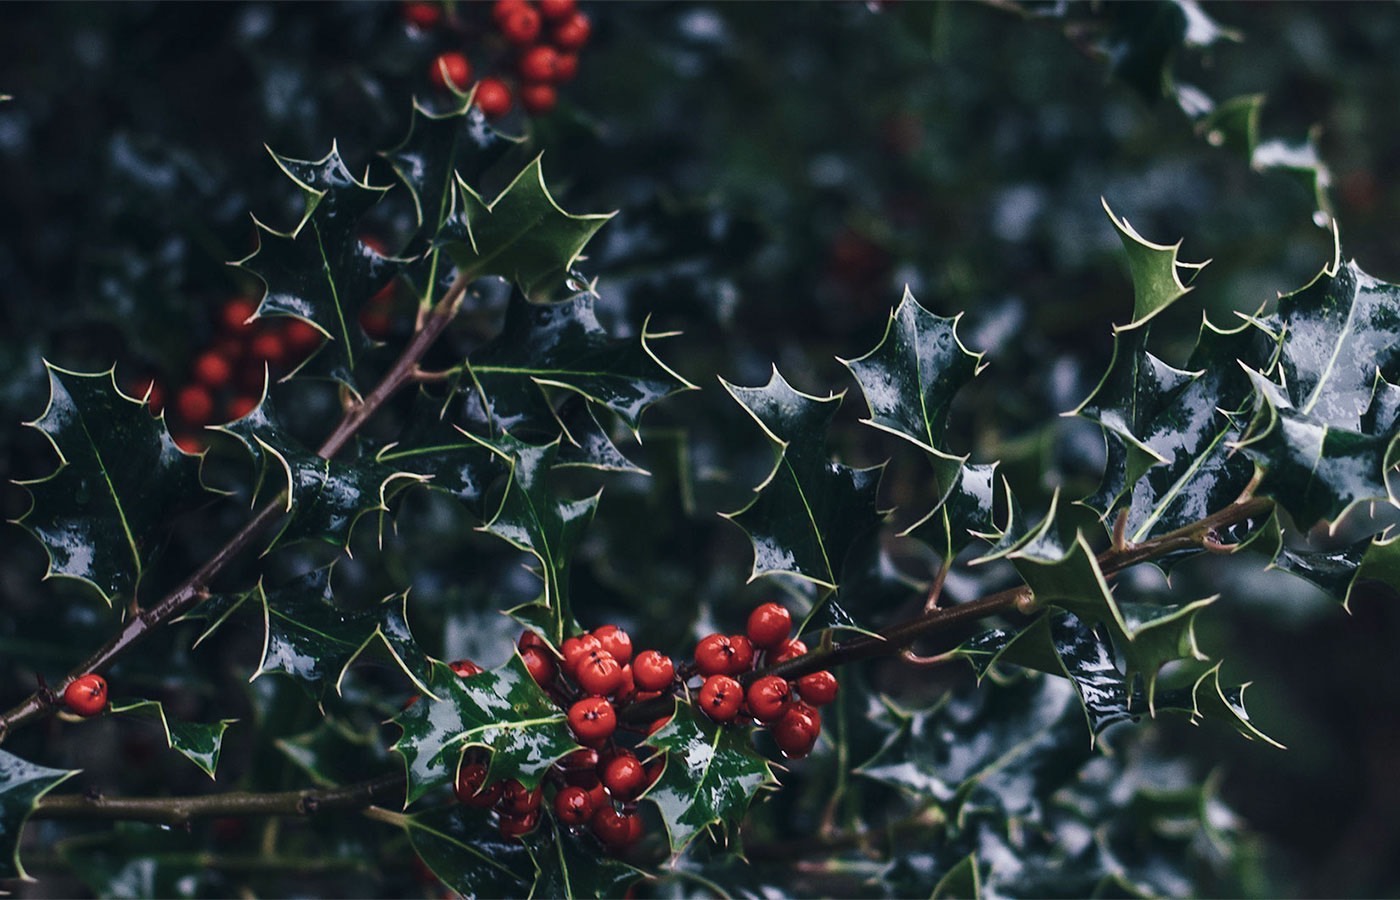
{"x": 533, "y": 48}
{"x": 596, "y": 677}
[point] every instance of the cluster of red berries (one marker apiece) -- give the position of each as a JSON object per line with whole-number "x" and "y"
{"x": 595, "y": 674}
{"x": 542, "y": 40}
{"x": 225, "y": 380}
{"x": 86, "y": 695}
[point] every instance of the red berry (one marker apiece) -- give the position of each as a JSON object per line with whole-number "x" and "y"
{"x": 530, "y": 638}
{"x": 565, "y": 67}
{"x": 538, "y": 99}
{"x": 465, "y": 668}
{"x": 537, "y": 63}
{"x": 572, "y": 806}
{"x": 194, "y": 405}
{"x": 239, "y": 407}
{"x": 471, "y": 779}
{"x": 515, "y": 826}
{"x": 147, "y": 390}
{"x": 768, "y": 698}
{"x": 502, "y": 8}
{"x": 788, "y": 650}
{"x": 517, "y": 800}
{"x": 192, "y": 444}
{"x": 598, "y": 796}
{"x": 86, "y": 695}
{"x": 211, "y": 369}
{"x": 624, "y": 776}
{"x": 653, "y": 671}
{"x": 540, "y": 664}
{"x": 740, "y": 654}
{"x": 580, "y": 767}
{"x": 712, "y": 654}
{"x": 301, "y": 337}
{"x": 268, "y": 347}
{"x": 557, "y": 9}
{"x": 573, "y": 32}
{"x": 796, "y": 732}
{"x": 626, "y": 689}
{"x": 576, "y": 649}
{"x": 493, "y": 97}
{"x": 520, "y": 24}
{"x": 769, "y": 625}
{"x": 720, "y": 697}
{"x": 615, "y": 641}
{"x": 612, "y": 827}
{"x": 450, "y": 68}
{"x": 818, "y": 688}
{"x": 420, "y": 15}
{"x": 659, "y": 724}
{"x": 376, "y": 322}
{"x": 598, "y": 673}
{"x": 235, "y": 313}
{"x": 593, "y": 719}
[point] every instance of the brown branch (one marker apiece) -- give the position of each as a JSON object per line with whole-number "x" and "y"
{"x": 182, "y": 810}
{"x": 194, "y": 589}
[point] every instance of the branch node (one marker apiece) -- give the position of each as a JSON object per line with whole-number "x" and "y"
{"x": 1026, "y": 603}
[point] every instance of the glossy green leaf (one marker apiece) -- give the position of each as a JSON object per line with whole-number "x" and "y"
{"x": 502, "y": 710}
{"x": 588, "y": 445}
{"x": 563, "y": 345}
{"x": 320, "y": 271}
{"x": 314, "y": 640}
{"x": 532, "y": 518}
{"x": 572, "y": 865}
{"x": 22, "y": 785}
{"x": 333, "y": 753}
{"x": 522, "y": 235}
{"x": 1302, "y": 161}
{"x": 1157, "y": 272}
{"x": 809, "y": 511}
{"x": 198, "y": 742}
{"x": 1234, "y": 124}
{"x": 966, "y": 511}
{"x": 962, "y": 881}
{"x": 712, "y": 774}
{"x": 468, "y": 854}
{"x": 119, "y": 480}
{"x": 445, "y": 457}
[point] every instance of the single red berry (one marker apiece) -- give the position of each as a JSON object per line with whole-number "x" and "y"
{"x": 720, "y": 697}
{"x": 712, "y": 654}
{"x": 192, "y": 444}
{"x": 769, "y": 625}
{"x": 565, "y": 67}
{"x": 450, "y": 68}
{"x": 519, "y": 25}
{"x": 659, "y": 724}
{"x": 624, "y": 776}
{"x": 576, "y": 649}
{"x": 598, "y": 795}
{"x": 818, "y": 688}
{"x": 583, "y": 759}
{"x": 239, "y": 407}
{"x": 465, "y": 668}
{"x": 615, "y": 641}
{"x": 376, "y": 322}
{"x": 653, "y": 671}
{"x": 768, "y": 697}
{"x": 235, "y": 313}
{"x": 530, "y": 638}
{"x": 194, "y": 405}
{"x": 788, "y": 650}
{"x": 573, "y": 32}
{"x": 502, "y": 8}
{"x": 612, "y": 827}
{"x": 537, "y": 63}
{"x": 557, "y": 9}
{"x": 515, "y": 826}
{"x": 422, "y": 16}
{"x": 268, "y": 347}
{"x": 538, "y": 99}
{"x": 517, "y": 800}
{"x": 593, "y": 719}
{"x": 86, "y": 695}
{"x": 740, "y": 654}
{"x": 540, "y": 664}
{"x": 301, "y": 337}
{"x": 572, "y": 806}
{"x": 493, "y": 97}
{"x": 598, "y": 673}
{"x": 796, "y": 732}
{"x": 634, "y": 828}
{"x": 654, "y": 768}
{"x": 471, "y": 787}
{"x": 626, "y": 690}
{"x": 212, "y": 369}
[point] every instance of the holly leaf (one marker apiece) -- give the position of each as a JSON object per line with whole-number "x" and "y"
{"x": 532, "y": 518}
{"x": 569, "y": 865}
{"x": 712, "y": 774}
{"x": 320, "y": 271}
{"x": 563, "y": 345}
{"x": 1156, "y": 271}
{"x": 22, "y": 786}
{"x": 313, "y": 640}
{"x": 333, "y": 753}
{"x": 522, "y": 235}
{"x": 809, "y": 511}
{"x": 120, "y": 480}
{"x": 445, "y": 457}
{"x": 502, "y": 710}
{"x": 965, "y": 512}
{"x": 198, "y": 742}
{"x": 462, "y": 849}
{"x": 587, "y": 443}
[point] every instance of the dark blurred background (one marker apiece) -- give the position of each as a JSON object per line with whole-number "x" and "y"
{"x": 781, "y": 171}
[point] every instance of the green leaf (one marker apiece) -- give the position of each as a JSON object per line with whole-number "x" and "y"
{"x": 22, "y": 785}
{"x": 314, "y": 641}
{"x": 334, "y": 753}
{"x": 522, "y": 235}
{"x": 1156, "y": 270}
{"x": 570, "y": 865}
{"x": 966, "y": 511}
{"x": 320, "y": 271}
{"x": 563, "y": 345}
{"x": 461, "y": 848}
{"x": 502, "y": 710}
{"x": 531, "y": 518}
{"x": 1234, "y": 124}
{"x": 963, "y": 880}
{"x": 444, "y": 456}
{"x": 1302, "y": 161}
{"x": 198, "y": 742}
{"x": 809, "y": 511}
{"x": 712, "y": 774}
{"x": 119, "y": 481}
